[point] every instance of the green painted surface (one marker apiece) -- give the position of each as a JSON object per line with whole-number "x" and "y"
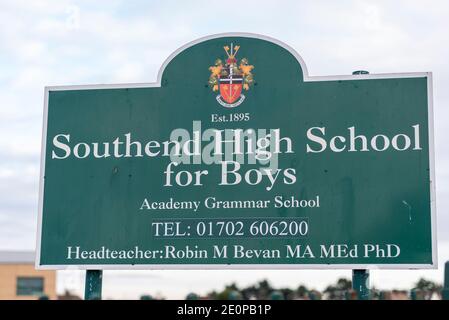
{"x": 93, "y": 285}
{"x": 366, "y": 198}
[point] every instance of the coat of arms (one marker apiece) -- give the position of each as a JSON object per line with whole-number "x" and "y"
{"x": 230, "y": 78}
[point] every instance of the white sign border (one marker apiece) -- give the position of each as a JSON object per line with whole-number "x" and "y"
{"x": 307, "y": 78}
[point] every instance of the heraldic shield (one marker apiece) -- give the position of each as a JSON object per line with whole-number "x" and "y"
{"x": 231, "y": 78}
{"x": 231, "y": 87}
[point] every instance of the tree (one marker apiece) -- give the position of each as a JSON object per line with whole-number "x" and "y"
{"x": 287, "y": 293}
{"x": 250, "y": 293}
{"x": 427, "y": 288}
{"x": 302, "y": 292}
{"x": 344, "y": 284}
{"x": 263, "y": 289}
{"x": 227, "y": 292}
{"x": 427, "y": 285}
{"x": 337, "y": 291}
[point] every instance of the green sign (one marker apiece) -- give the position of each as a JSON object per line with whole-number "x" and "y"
{"x": 237, "y": 158}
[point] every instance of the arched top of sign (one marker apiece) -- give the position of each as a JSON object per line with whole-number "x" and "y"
{"x": 279, "y": 43}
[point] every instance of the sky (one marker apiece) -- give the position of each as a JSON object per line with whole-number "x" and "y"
{"x": 64, "y": 42}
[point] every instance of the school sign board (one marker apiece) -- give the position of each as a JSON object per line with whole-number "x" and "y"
{"x": 237, "y": 158}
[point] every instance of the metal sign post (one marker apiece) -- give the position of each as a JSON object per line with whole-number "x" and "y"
{"x": 94, "y": 281}
{"x": 445, "y": 292}
{"x": 360, "y": 283}
{"x": 360, "y": 278}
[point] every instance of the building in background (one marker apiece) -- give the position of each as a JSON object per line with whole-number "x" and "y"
{"x": 19, "y": 280}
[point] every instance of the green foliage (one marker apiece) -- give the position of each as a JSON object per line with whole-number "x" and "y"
{"x": 341, "y": 290}
{"x": 338, "y": 291}
{"x": 428, "y": 285}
